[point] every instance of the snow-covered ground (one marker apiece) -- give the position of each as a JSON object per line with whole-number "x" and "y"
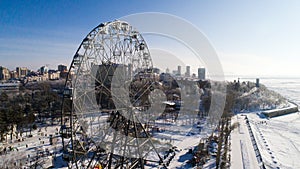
{"x": 242, "y": 152}
{"x": 282, "y": 134}
{"x": 183, "y": 144}
{"x": 33, "y": 150}
{"x": 278, "y": 138}
{"x": 184, "y": 134}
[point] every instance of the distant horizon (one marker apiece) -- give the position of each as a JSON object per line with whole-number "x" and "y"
{"x": 226, "y": 75}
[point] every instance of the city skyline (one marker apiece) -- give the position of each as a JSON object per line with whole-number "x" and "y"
{"x": 253, "y": 38}
{"x": 54, "y": 67}
{"x": 22, "y": 73}
{"x": 64, "y": 68}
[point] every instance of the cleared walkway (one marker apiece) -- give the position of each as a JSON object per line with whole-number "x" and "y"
{"x": 242, "y": 152}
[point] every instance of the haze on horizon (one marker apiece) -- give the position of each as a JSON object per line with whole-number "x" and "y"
{"x": 251, "y": 38}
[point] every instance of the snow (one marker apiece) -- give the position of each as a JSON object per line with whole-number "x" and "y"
{"x": 290, "y": 105}
{"x": 242, "y": 152}
{"x": 34, "y": 149}
{"x": 182, "y": 156}
{"x": 245, "y": 157}
{"x": 278, "y": 139}
{"x": 185, "y": 135}
{"x": 287, "y": 87}
{"x": 252, "y": 91}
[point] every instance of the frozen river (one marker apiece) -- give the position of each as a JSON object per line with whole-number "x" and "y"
{"x": 287, "y": 87}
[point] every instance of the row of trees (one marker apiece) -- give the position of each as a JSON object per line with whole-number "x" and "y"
{"x": 18, "y": 112}
{"x": 225, "y": 127}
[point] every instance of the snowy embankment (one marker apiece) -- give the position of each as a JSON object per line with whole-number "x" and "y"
{"x": 278, "y": 112}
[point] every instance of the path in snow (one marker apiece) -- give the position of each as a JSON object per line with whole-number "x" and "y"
{"x": 242, "y": 152}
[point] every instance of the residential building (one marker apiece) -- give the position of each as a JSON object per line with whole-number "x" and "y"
{"x": 4, "y": 73}
{"x": 54, "y": 74}
{"x": 13, "y": 74}
{"x": 21, "y": 72}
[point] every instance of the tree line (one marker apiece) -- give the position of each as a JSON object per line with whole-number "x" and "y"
{"x": 19, "y": 112}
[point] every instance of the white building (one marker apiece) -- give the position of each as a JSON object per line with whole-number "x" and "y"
{"x": 4, "y": 73}
{"x": 54, "y": 75}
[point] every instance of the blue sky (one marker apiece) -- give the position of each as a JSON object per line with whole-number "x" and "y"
{"x": 251, "y": 37}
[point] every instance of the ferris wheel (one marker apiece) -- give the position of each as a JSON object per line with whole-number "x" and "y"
{"x": 106, "y": 110}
